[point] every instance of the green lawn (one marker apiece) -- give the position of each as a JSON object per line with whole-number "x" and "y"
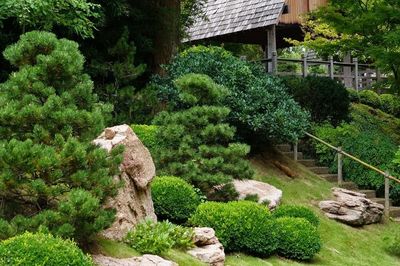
{"x": 342, "y": 244}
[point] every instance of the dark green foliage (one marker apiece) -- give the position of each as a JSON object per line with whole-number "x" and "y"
{"x": 252, "y": 197}
{"x": 174, "y": 199}
{"x": 240, "y": 226}
{"x": 373, "y": 137}
{"x": 297, "y": 238}
{"x": 147, "y": 135}
{"x": 297, "y": 212}
{"x": 41, "y": 249}
{"x": 50, "y": 175}
{"x": 390, "y": 104}
{"x": 370, "y": 98}
{"x": 261, "y": 108}
{"x": 196, "y": 143}
{"x": 117, "y": 70}
{"x": 326, "y": 99}
{"x": 156, "y": 238}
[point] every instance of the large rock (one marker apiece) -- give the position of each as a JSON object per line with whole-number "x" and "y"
{"x": 145, "y": 260}
{"x": 352, "y": 208}
{"x": 208, "y": 248}
{"x": 264, "y": 191}
{"x": 133, "y": 202}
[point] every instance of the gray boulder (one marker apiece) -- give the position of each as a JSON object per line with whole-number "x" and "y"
{"x": 352, "y": 208}
{"x": 264, "y": 191}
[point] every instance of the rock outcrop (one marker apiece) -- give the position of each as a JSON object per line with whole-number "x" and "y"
{"x": 352, "y": 208}
{"x": 145, "y": 260}
{"x": 264, "y": 191}
{"x": 208, "y": 248}
{"x": 133, "y": 202}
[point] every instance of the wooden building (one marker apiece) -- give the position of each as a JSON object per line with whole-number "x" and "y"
{"x": 264, "y": 22}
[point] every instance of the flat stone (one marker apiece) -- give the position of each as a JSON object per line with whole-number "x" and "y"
{"x": 204, "y": 236}
{"x": 145, "y": 260}
{"x": 264, "y": 191}
{"x": 213, "y": 254}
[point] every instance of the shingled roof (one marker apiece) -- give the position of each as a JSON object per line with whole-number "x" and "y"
{"x": 231, "y": 16}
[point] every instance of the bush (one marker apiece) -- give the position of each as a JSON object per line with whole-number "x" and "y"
{"x": 297, "y": 238}
{"x": 326, "y": 99}
{"x": 240, "y": 226}
{"x": 260, "y": 104}
{"x": 174, "y": 199}
{"x": 390, "y": 104}
{"x": 156, "y": 238}
{"x": 41, "y": 249}
{"x": 51, "y": 175}
{"x": 297, "y": 212}
{"x": 147, "y": 135}
{"x": 196, "y": 143}
{"x": 370, "y": 98}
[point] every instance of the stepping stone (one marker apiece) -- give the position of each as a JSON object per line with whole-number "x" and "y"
{"x": 290, "y": 154}
{"x": 394, "y": 212}
{"x": 381, "y": 201}
{"x": 308, "y": 162}
{"x": 284, "y": 147}
{"x": 319, "y": 170}
{"x": 349, "y": 185}
{"x": 330, "y": 177}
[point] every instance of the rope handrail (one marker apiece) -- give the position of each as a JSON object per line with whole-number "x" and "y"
{"x": 338, "y": 150}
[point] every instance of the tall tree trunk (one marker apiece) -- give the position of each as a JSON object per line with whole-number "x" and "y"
{"x": 167, "y": 36}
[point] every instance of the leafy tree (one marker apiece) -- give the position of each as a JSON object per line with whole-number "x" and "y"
{"x": 369, "y": 29}
{"x": 196, "y": 143}
{"x": 51, "y": 177}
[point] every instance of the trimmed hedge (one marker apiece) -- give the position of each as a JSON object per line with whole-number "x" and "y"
{"x": 297, "y": 238}
{"x": 174, "y": 199}
{"x": 239, "y": 225}
{"x": 147, "y": 135}
{"x": 297, "y": 212}
{"x": 370, "y": 98}
{"x": 41, "y": 249}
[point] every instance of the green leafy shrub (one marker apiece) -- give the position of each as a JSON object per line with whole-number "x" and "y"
{"x": 326, "y": 99}
{"x": 370, "y": 98}
{"x": 297, "y": 212}
{"x": 353, "y": 95}
{"x": 41, "y": 249}
{"x": 390, "y": 104}
{"x": 260, "y": 106}
{"x": 174, "y": 199}
{"x": 147, "y": 135}
{"x": 156, "y": 238}
{"x": 196, "y": 143}
{"x": 371, "y": 136}
{"x": 240, "y": 226}
{"x": 51, "y": 176}
{"x": 297, "y": 238}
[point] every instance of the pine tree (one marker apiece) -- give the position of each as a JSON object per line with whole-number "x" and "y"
{"x": 196, "y": 143}
{"x": 51, "y": 177}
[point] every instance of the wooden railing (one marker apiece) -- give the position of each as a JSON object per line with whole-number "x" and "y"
{"x": 340, "y": 153}
{"x": 352, "y": 74}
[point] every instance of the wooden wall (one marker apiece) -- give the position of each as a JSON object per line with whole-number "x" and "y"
{"x": 298, "y": 8}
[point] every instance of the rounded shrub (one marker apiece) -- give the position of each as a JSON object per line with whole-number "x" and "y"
{"x": 297, "y": 212}
{"x": 240, "y": 226}
{"x": 390, "y": 104}
{"x": 174, "y": 199}
{"x": 297, "y": 238}
{"x": 41, "y": 249}
{"x": 370, "y": 98}
{"x": 324, "y": 98}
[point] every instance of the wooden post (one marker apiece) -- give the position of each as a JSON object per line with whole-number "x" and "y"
{"x": 387, "y": 193}
{"x": 274, "y": 62}
{"x": 331, "y": 68}
{"x": 356, "y": 80}
{"x": 305, "y": 66}
{"x": 340, "y": 166}
{"x": 295, "y": 150}
{"x": 271, "y": 45}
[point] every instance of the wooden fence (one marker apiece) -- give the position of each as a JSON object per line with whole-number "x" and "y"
{"x": 351, "y": 74}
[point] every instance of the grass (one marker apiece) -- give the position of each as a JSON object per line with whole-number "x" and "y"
{"x": 342, "y": 244}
